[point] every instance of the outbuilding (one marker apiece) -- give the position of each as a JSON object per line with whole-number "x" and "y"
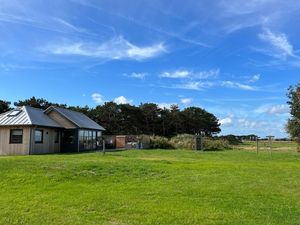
{"x": 27, "y": 130}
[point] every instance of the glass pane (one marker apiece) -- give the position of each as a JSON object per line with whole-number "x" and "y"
{"x": 38, "y": 136}
{"x": 17, "y": 132}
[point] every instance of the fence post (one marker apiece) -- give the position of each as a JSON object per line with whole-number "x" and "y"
{"x": 103, "y": 147}
{"x": 257, "y": 147}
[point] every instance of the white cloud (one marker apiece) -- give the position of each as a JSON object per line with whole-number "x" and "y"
{"x": 273, "y": 109}
{"x": 191, "y": 85}
{"x": 255, "y": 78}
{"x": 117, "y": 48}
{"x": 181, "y": 74}
{"x": 248, "y": 123}
{"x": 186, "y": 101}
{"x": 176, "y": 74}
{"x": 227, "y": 121}
{"x": 122, "y": 100}
{"x": 98, "y": 98}
{"x": 136, "y": 75}
{"x": 279, "y": 109}
{"x": 231, "y": 84}
{"x": 199, "y": 85}
{"x": 164, "y": 105}
{"x": 282, "y": 48}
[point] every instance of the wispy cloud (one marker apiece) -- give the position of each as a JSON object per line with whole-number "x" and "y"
{"x": 143, "y": 24}
{"x": 193, "y": 85}
{"x": 191, "y": 74}
{"x": 136, "y": 75}
{"x": 176, "y": 74}
{"x": 273, "y": 109}
{"x": 199, "y": 85}
{"x": 279, "y": 43}
{"x": 237, "y": 85}
{"x": 254, "y": 78}
{"x": 116, "y": 49}
{"x": 186, "y": 101}
{"x": 68, "y": 25}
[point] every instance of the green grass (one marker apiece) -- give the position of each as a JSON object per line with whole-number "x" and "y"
{"x": 151, "y": 187}
{"x": 264, "y": 145}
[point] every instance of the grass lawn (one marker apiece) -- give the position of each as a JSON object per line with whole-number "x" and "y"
{"x": 264, "y": 145}
{"x": 151, "y": 187}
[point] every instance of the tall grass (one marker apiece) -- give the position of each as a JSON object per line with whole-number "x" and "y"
{"x": 187, "y": 141}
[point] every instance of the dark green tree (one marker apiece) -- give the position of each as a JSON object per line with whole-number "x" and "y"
{"x": 150, "y": 113}
{"x": 196, "y": 120}
{"x": 40, "y": 103}
{"x": 108, "y": 115}
{"x": 4, "y": 106}
{"x": 176, "y": 121}
{"x": 131, "y": 120}
{"x": 293, "y": 125}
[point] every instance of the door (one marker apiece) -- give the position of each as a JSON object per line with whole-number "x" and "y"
{"x": 120, "y": 141}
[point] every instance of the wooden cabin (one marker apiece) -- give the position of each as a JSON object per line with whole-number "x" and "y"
{"x": 27, "y": 130}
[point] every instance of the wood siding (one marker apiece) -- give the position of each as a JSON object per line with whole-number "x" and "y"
{"x": 48, "y": 145}
{"x": 14, "y": 149}
{"x": 61, "y": 120}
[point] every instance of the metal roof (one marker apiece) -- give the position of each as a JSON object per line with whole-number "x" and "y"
{"x": 38, "y": 117}
{"x": 33, "y": 116}
{"x": 78, "y": 118}
{"x": 21, "y": 119}
{"x": 27, "y": 116}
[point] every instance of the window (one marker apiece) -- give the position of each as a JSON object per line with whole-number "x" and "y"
{"x": 15, "y": 112}
{"x": 56, "y": 137}
{"x": 87, "y": 139}
{"x": 38, "y": 136}
{"x": 16, "y": 136}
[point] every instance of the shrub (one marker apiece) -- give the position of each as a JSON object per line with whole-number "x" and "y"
{"x": 211, "y": 144}
{"x": 187, "y": 141}
{"x": 183, "y": 141}
{"x": 160, "y": 142}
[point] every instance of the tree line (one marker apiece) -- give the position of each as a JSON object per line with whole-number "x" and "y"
{"x": 147, "y": 118}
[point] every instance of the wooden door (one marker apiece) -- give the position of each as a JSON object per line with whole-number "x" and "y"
{"x": 120, "y": 141}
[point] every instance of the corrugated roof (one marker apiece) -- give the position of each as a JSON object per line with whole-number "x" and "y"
{"x": 27, "y": 116}
{"x": 21, "y": 119}
{"x": 78, "y": 118}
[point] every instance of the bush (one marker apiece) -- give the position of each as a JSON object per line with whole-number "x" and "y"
{"x": 187, "y": 141}
{"x": 232, "y": 139}
{"x": 211, "y": 144}
{"x": 160, "y": 142}
{"x": 183, "y": 141}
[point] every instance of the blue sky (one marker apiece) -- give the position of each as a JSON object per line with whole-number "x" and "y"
{"x": 234, "y": 59}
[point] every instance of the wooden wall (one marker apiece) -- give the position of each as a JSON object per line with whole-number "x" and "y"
{"x": 61, "y": 120}
{"x": 14, "y": 149}
{"x": 48, "y": 145}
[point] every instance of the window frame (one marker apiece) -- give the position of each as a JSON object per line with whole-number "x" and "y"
{"x": 42, "y": 139}
{"x": 10, "y": 136}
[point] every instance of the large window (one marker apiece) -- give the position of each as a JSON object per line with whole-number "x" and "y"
{"x": 87, "y": 140}
{"x": 16, "y": 136}
{"x": 38, "y": 136}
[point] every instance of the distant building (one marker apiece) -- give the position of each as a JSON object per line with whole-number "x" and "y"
{"x": 27, "y": 130}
